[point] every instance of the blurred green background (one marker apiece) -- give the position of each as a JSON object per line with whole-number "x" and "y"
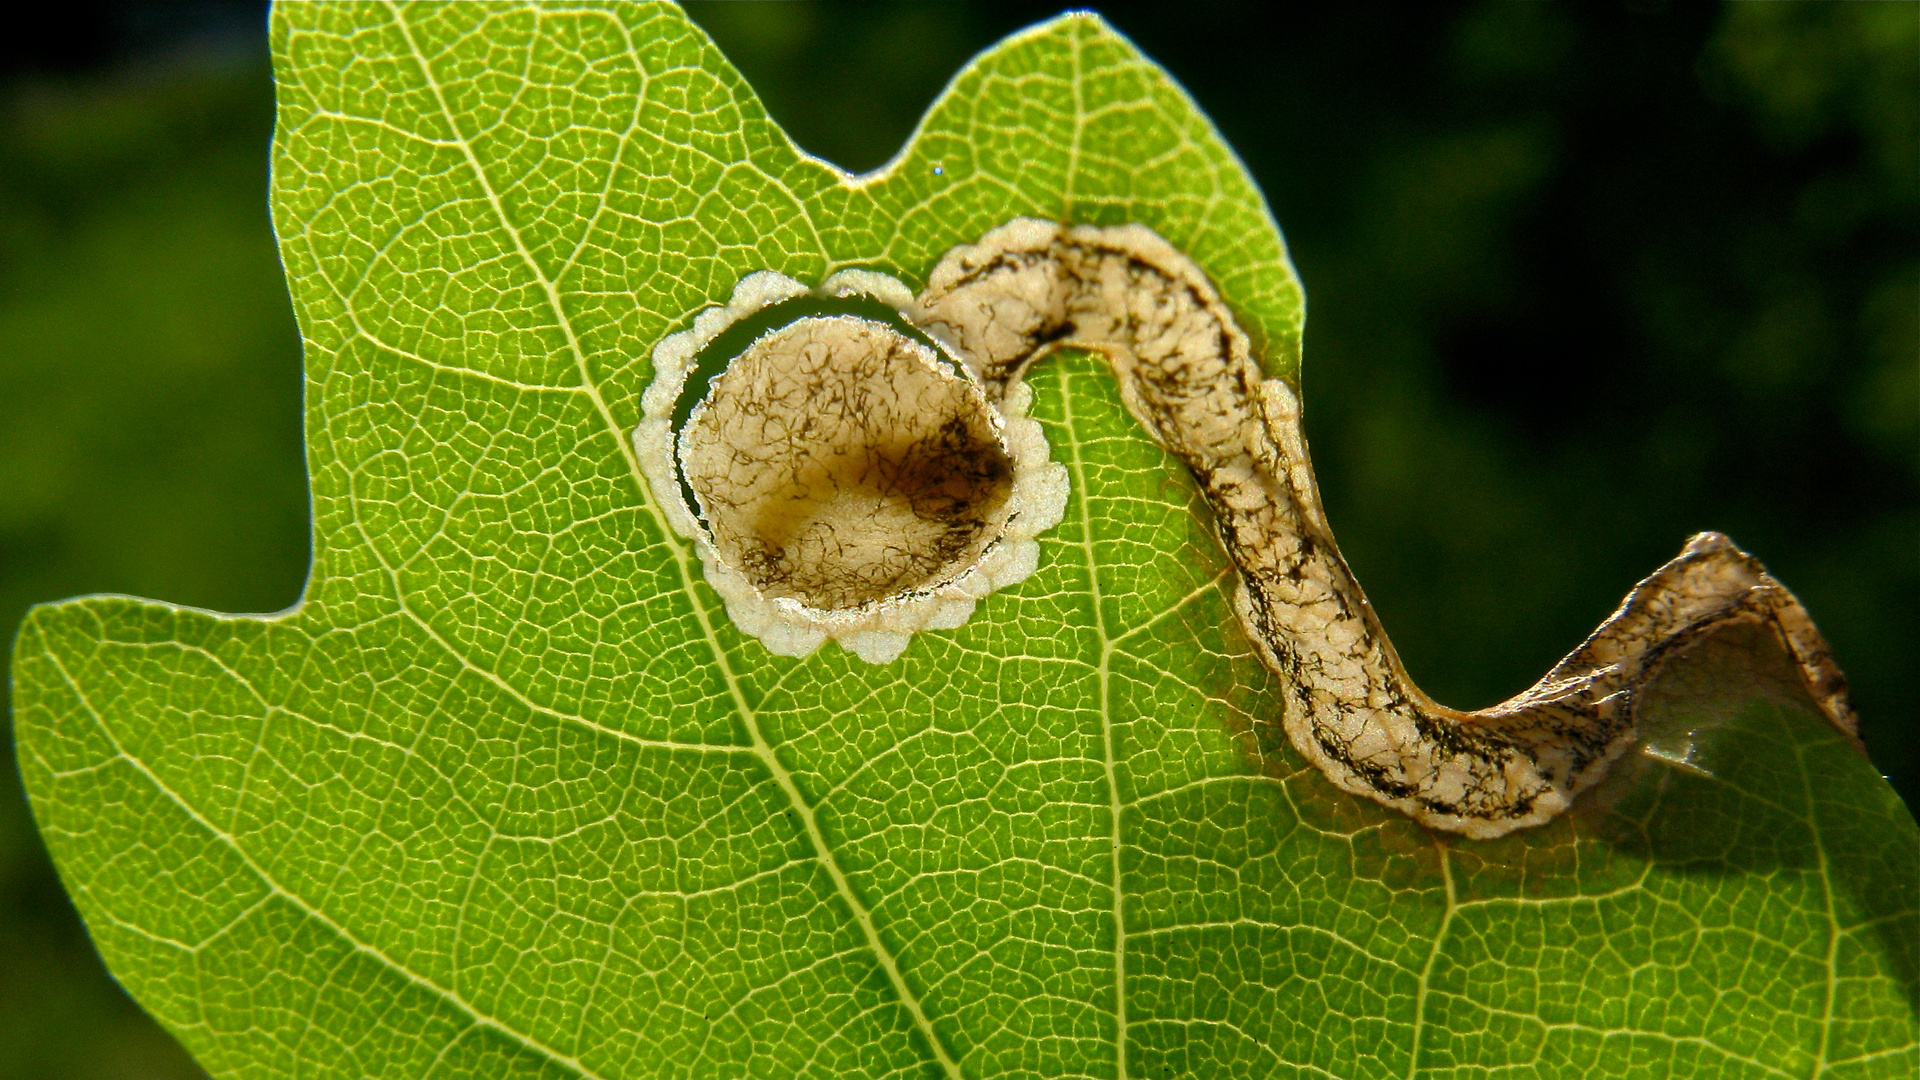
{"x": 1585, "y": 279}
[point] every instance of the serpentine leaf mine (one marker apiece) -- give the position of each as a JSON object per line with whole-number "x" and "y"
{"x": 859, "y": 479}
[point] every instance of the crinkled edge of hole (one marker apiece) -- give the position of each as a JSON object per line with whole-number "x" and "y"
{"x": 877, "y": 632}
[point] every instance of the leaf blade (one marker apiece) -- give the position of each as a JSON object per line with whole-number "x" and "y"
{"x": 507, "y": 783}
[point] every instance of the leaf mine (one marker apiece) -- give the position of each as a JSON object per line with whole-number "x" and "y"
{"x": 1186, "y": 371}
{"x": 847, "y": 479}
{"x": 852, "y": 480}
{"x": 837, "y": 463}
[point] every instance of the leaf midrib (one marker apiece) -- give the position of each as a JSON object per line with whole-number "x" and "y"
{"x": 749, "y": 716}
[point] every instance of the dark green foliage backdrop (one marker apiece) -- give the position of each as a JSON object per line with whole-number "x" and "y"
{"x": 1583, "y": 280}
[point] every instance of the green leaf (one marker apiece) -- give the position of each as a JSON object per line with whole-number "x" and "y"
{"x": 507, "y": 794}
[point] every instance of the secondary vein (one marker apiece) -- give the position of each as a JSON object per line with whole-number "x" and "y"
{"x": 1433, "y": 955}
{"x": 1114, "y": 804}
{"x": 447, "y": 994}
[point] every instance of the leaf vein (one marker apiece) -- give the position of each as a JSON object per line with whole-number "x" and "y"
{"x": 312, "y": 911}
{"x": 761, "y": 748}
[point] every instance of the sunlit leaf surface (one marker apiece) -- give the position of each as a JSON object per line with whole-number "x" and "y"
{"x": 507, "y": 794}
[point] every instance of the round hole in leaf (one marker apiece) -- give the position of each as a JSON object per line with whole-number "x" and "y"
{"x": 839, "y": 462}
